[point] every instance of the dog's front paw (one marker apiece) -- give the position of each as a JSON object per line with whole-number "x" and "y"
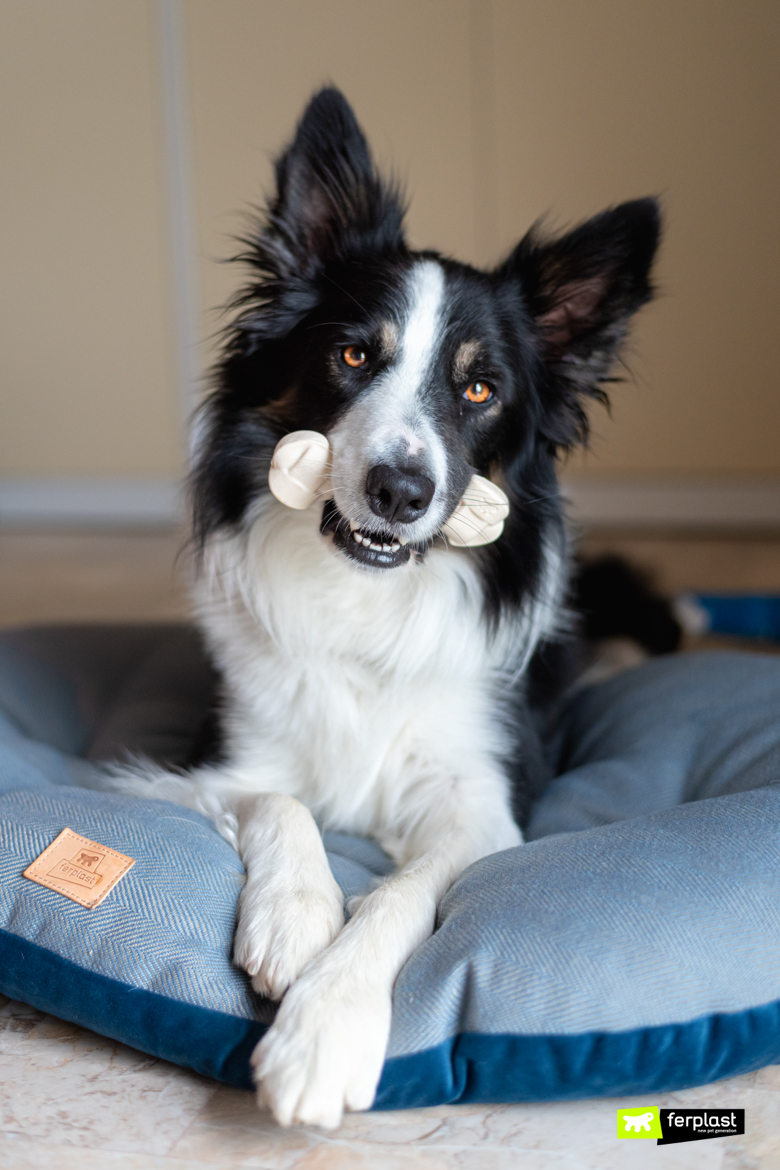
{"x": 324, "y": 1053}
{"x": 279, "y": 932}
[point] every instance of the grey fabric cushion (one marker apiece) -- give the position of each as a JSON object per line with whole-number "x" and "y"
{"x": 104, "y": 692}
{"x": 677, "y": 729}
{"x": 632, "y": 946}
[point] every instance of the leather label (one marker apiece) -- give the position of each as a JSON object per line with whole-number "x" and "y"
{"x": 79, "y": 868}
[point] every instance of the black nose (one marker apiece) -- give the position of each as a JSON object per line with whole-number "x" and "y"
{"x": 397, "y": 494}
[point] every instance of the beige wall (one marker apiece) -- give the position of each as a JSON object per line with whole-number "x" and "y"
{"x": 87, "y": 385}
{"x": 404, "y": 65}
{"x": 493, "y": 112}
{"x": 605, "y": 100}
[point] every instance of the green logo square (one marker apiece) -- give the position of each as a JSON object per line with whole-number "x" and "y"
{"x": 642, "y": 1122}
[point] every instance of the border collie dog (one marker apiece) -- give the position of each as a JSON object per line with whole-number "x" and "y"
{"x": 375, "y": 673}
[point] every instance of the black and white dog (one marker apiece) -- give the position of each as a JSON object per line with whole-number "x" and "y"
{"x": 372, "y": 657}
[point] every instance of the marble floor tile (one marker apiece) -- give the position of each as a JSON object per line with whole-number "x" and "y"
{"x": 63, "y": 1088}
{"x": 571, "y": 1136}
{"x": 61, "y": 1084}
{"x": 230, "y": 1125}
{"x": 20, "y": 1153}
{"x": 768, "y": 1078}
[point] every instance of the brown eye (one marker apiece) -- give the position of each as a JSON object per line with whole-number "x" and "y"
{"x": 354, "y": 356}
{"x": 478, "y": 392}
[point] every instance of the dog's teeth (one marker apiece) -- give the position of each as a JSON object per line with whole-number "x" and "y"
{"x": 403, "y": 539}
{"x": 374, "y": 545}
{"x": 366, "y": 541}
{"x": 353, "y": 526}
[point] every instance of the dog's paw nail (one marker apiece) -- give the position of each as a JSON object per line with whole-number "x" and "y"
{"x": 264, "y": 984}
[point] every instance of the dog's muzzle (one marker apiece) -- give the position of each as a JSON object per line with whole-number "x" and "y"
{"x": 300, "y": 476}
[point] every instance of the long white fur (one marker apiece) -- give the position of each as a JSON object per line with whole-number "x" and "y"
{"x": 367, "y": 702}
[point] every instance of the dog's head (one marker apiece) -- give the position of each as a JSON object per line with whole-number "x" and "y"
{"x": 420, "y": 371}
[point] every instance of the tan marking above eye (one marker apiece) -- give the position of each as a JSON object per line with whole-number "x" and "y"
{"x": 354, "y": 356}
{"x": 466, "y": 358}
{"x": 387, "y": 336}
{"x": 478, "y": 392}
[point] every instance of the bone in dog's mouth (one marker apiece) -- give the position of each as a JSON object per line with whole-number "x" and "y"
{"x": 380, "y": 550}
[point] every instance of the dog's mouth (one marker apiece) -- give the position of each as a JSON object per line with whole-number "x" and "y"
{"x": 377, "y": 550}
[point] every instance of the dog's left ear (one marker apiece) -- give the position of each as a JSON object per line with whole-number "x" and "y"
{"x": 582, "y": 290}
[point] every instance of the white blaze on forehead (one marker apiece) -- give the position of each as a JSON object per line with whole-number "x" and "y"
{"x": 394, "y": 412}
{"x": 423, "y": 322}
{"x": 420, "y": 333}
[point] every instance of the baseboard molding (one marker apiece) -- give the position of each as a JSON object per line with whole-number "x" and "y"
{"x": 674, "y": 503}
{"x": 613, "y": 502}
{"x": 115, "y": 502}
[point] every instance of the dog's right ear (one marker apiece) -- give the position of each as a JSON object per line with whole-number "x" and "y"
{"x": 330, "y": 204}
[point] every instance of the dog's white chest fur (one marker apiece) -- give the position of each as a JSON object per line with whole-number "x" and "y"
{"x": 350, "y": 690}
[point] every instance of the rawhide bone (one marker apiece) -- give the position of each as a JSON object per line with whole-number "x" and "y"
{"x": 300, "y": 475}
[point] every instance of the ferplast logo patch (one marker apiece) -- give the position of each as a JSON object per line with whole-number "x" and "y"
{"x": 79, "y": 868}
{"x": 641, "y": 1122}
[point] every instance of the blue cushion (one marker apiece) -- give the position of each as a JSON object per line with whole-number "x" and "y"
{"x": 633, "y": 944}
{"x": 746, "y": 615}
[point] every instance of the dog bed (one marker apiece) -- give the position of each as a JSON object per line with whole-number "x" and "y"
{"x": 743, "y": 615}
{"x": 632, "y": 946}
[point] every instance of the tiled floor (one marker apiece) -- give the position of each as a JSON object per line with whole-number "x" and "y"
{"x": 70, "y": 1099}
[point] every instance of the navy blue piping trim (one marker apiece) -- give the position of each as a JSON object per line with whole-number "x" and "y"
{"x": 466, "y": 1068}
{"x": 473, "y": 1067}
{"x": 211, "y": 1042}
